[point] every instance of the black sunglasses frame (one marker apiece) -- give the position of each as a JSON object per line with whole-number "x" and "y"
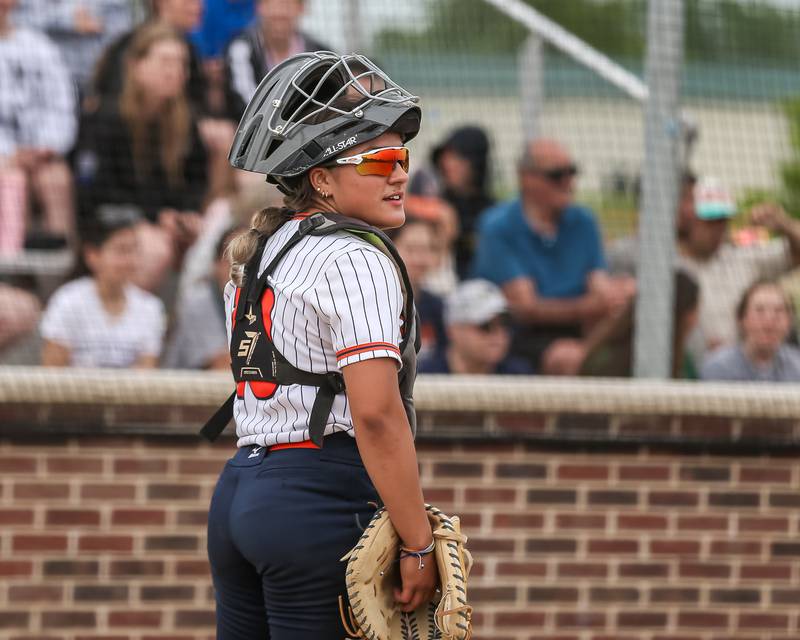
{"x": 557, "y": 174}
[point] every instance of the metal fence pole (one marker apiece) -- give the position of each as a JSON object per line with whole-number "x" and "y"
{"x": 353, "y": 37}
{"x": 655, "y": 282}
{"x": 531, "y": 84}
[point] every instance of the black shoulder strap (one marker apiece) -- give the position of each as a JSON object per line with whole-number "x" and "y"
{"x": 329, "y": 384}
{"x": 255, "y": 284}
{"x": 216, "y": 424}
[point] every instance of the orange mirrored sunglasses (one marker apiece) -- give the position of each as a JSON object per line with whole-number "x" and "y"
{"x": 376, "y": 162}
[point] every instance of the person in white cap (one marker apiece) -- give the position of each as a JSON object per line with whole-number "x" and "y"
{"x": 478, "y": 328}
{"x": 724, "y": 270}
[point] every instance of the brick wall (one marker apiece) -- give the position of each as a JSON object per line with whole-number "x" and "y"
{"x": 583, "y": 528}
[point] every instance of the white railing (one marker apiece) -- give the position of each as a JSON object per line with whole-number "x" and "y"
{"x": 577, "y": 49}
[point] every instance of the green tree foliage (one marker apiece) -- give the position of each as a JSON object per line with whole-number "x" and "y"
{"x": 741, "y": 32}
{"x": 475, "y": 26}
{"x": 790, "y": 171}
{"x": 725, "y": 31}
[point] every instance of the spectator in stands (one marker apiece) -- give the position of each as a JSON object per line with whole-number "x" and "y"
{"x": 418, "y": 246}
{"x": 19, "y": 314}
{"x": 274, "y": 37}
{"x": 217, "y": 110}
{"x": 222, "y": 20}
{"x": 546, "y": 253}
{"x": 764, "y": 316}
{"x": 100, "y": 319}
{"x": 609, "y": 345}
{"x": 37, "y": 127}
{"x": 424, "y": 203}
{"x": 80, "y": 28}
{"x": 183, "y": 16}
{"x": 724, "y": 270}
{"x": 623, "y": 253}
{"x": 144, "y": 149}
{"x": 199, "y": 340}
{"x": 230, "y": 211}
{"x": 477, "y": 320}
{"x": 461, "y": 175}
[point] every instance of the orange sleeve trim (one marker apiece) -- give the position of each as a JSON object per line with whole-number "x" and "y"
{"x": 370, "y": 346}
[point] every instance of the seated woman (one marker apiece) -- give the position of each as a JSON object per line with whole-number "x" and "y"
{"x": 764, "y": 316}
{"x": 143, "y": 148}
{"x": 100, "y": 319}
{"x": 610, "y": 345}
{"x": 418, "y": 246}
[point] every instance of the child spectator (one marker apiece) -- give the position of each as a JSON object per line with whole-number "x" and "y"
{"x": 200, "y": 340}
{"x": 418, "y": 246}
{"x": 764, "y": 317}
{"x": 37, "y": 128}
{"x": 100, "y": 319}
{"x": 478, "y": 329}
{"x": 144, "y": 149}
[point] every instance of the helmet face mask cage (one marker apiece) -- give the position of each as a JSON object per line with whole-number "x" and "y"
{"x": 340, "y": 101}
{"x": 361, "y": 77}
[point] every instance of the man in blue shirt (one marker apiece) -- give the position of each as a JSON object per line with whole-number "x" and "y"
{"x": 546, "y": 254}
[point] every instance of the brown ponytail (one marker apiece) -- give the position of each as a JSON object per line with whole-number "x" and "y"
{"x": 301, "y": 197}
{"x": 242, "y": 247}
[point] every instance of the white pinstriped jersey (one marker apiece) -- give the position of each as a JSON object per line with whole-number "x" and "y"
{"x": 337, "y": 301}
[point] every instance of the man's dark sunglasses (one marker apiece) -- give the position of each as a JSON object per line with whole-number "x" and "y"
{"x": 499, "y": 322}
{"x": 557, "y": 174}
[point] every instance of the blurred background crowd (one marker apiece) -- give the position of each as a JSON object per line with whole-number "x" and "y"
{"x": 117, "y": 202}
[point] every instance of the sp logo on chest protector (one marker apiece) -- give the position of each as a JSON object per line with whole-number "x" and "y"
{"x": 247, "y": 345}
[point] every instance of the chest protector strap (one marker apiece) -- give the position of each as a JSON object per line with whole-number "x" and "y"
{"x": 254, "y": 358}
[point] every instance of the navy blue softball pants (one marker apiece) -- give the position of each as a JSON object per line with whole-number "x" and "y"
{"x": 279, "y": 522}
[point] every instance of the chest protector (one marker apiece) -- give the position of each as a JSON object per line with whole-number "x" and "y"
{"x": 257, "y": 363}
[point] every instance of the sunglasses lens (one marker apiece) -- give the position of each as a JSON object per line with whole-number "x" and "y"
{"x": 382, "y": 162}
{"x": 562, "y": 172}
{"x": 497, "y": 324}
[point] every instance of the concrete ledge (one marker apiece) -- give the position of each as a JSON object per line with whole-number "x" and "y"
{"x": 488, "y": 394}
{"x": 564, "y": 412}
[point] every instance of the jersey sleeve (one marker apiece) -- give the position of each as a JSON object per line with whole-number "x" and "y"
{"x": 360, "y": 298}
{"x": 230, "y": 298}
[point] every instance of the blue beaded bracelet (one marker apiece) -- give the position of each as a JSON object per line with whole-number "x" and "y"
{"x": 407, "y": 553}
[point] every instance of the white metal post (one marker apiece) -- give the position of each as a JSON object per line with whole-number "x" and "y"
{"x": 353, "y": 35}
{"x": 531, "y": 84}
{"x": 655, "y": 281}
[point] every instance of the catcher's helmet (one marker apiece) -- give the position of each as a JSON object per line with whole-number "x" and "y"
{"x": 340, "y": 101}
